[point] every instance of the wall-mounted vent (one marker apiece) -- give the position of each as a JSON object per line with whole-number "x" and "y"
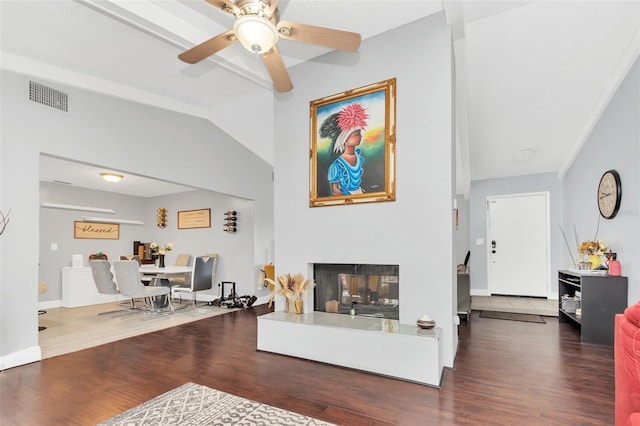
{"x": 47, "y": 96}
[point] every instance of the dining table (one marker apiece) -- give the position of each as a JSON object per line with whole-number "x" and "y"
{"x": 160, "y": 276}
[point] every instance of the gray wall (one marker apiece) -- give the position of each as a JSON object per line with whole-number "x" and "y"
{"x": 613, "y": 144}
{"x": 416, "y": 230}
{"x": 478, "y": 194}
{"x": 120, "y": 135}
{"x": 56, "y": 226}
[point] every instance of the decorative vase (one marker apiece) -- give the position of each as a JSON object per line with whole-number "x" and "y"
{"x": 595, "y": 261}
{"x": 298, "y": 306}
{"x": 161, "y": 261}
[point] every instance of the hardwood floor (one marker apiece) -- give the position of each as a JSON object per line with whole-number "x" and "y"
{"x": 506, "y": 373}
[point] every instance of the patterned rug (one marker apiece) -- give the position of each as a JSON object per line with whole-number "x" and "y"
{"x": 193, "y": 404}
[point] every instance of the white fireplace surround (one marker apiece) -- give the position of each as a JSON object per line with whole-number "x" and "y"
{"x": 376, "y": 345}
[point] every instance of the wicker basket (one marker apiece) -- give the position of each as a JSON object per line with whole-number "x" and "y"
{"x": 570, "y": 303}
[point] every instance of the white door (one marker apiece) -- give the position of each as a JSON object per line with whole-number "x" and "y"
{"x": 517, "y": 243}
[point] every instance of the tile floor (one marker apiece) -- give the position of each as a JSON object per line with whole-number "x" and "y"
{"x": 522, "y": 305}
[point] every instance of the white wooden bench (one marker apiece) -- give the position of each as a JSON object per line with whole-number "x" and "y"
{"x": 375, "y": 345}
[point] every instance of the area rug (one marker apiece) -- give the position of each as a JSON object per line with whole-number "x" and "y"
{"x": 193, "y": 404}
{"x": 70, "y": 330}
{"x": 512, "y": 316}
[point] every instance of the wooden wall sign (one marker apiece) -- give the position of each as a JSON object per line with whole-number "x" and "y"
{"x": 96, "y": 230}
{"x": 188, "y": 219}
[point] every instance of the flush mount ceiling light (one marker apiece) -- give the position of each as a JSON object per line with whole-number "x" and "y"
{"x": 111, "y": 177}
{"x": 523, "y": 155}
{"x": 256, "y": 33}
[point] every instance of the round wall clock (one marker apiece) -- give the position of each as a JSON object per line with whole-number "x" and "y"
{"x": 609, "y": 194}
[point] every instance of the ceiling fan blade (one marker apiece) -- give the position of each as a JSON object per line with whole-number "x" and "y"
{"x": 208, "y": 48}
{"x": 272, "y": 6}
{"x": 277, "y": 70}
{"x": 224, "y": 5}
{"x": 322, "y": 36}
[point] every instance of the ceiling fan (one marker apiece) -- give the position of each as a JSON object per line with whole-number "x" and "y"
{"x": 258, "y": 27}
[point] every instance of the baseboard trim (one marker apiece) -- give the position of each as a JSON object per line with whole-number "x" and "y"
{"x": 23, "y": 357}
{"x": 50, "y": 304}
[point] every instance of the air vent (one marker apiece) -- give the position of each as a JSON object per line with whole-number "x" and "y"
{"x": 47, "y": 96}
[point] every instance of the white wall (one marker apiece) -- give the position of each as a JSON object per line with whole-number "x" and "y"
{"x": 614, "y": 143}
{"x": 124, "y": 136}
{"x": 461, "y": 241}
{"x": 479, "y": 192}
{"x": 235, "y": 250}
{"x": 415, "y": 231}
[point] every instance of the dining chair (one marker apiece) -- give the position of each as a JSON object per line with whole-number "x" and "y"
{"x": 130, "y": 285}
{"x": 146, "y": 279}
{"x": 42, "y": 288}
{"x": 182, "y": 260}
{"x": 103, "y": 278}
{"x": 201, "y": 277}
{"x": 132, "y": 257}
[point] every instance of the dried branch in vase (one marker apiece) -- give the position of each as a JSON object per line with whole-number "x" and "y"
{"x": 4, "y": 221}
{"x": 292, "y": 287}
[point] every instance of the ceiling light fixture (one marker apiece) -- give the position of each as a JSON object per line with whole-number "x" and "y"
{"x": 256, "y": 33}
{"x": 111, "y": 177}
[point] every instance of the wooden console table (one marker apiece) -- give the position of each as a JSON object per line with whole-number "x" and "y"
{"x": 602, "y": 297}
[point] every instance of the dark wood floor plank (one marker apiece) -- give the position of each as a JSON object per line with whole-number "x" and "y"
{"x": 506, "y": 373}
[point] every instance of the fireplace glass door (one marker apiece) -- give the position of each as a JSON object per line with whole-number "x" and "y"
{"x": 371, "y": 290}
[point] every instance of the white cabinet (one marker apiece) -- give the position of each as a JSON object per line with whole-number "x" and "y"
{"x": 79, "y": 289}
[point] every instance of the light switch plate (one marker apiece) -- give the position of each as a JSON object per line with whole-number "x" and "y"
{"x": 54, "y": 246}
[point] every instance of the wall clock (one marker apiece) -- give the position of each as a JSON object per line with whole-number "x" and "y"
{"x": 609, "y": 194}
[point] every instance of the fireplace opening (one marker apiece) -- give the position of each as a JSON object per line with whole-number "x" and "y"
{"x": 368, "y": 289}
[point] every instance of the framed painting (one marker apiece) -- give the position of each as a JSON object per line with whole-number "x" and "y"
{"x": 189, "y": 219}
{"x": 352, "y": 146}
{"x": 96, "y": 230}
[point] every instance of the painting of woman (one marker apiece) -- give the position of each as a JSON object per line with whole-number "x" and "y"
{"x": 353, "y": 146}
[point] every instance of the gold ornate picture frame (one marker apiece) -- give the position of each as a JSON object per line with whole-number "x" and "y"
{"x": 352, "y": 146}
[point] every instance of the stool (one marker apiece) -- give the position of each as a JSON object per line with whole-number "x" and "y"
{"x": 42, "y": 288}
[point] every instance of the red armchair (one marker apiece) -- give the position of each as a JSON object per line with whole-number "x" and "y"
{"x": 627, "y": 366}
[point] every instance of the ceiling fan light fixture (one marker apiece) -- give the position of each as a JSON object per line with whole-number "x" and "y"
{"x": 256, "y": 33}
{"x": 111, "y": 177}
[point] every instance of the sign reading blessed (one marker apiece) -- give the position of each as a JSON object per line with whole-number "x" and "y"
{"x": 188, "y": 219}
{"x": 96, "y": 230}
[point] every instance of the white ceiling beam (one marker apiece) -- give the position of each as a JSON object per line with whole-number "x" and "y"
{"x": 610, "y": 88}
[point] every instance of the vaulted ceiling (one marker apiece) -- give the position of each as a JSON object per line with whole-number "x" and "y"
{"x": 532, "y": 77}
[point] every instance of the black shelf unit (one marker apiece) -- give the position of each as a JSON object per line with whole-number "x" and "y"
{"x": 603, "y": 297}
